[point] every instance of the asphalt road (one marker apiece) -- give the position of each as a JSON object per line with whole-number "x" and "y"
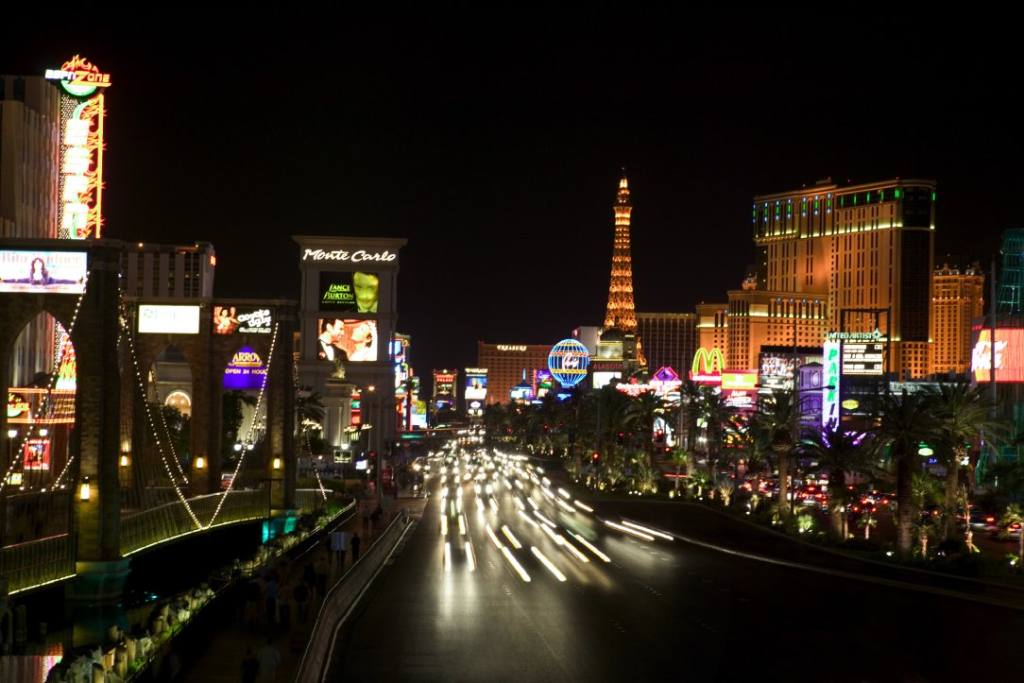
{"x": 660, "y": 610}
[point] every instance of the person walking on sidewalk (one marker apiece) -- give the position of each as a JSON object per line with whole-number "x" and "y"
{"x": 355, "y": 542}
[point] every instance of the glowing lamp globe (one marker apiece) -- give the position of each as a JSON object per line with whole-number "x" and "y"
{"x": 568, "y": 362}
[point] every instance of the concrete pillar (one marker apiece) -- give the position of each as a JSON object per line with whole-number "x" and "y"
{"x": 199, "y": 439}
{"x": 96, "y": 443}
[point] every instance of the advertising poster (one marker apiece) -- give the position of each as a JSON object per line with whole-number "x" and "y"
{"x": 46, "y": 272}
{"x": 1009, "y": 355}
{"x": 232, "y": 319}
{"x": 349, "y": 292}
{"x": 36, "y": 454}
{"x": 476, "y": 384}
{"x": 343, "y": 340}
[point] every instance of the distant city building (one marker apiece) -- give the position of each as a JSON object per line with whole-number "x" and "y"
{"x": 758, "y": 318}
{"x": 669, "y": 339}
{"x": 29, "y": 143}
{"x": 505, "y": 364}
{"x": 588, "y": 335}
{"x": 867, "y": 247}
{"x": 163, "y": 271}
{"x": 957, "y": 301}
{"x": 713, "y": 327}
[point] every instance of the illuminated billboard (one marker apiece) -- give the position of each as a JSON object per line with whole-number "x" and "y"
{"x": 160, "y": 319}
{"x": 707, "y": 366}
{"x": 245, "y": 372}
{"x": 82, "y": 113}
{"x": 830, "y": 385}
{"x": 543, "y": 381}
{"x": 476, "y": 384}
{"x": 36, "y": 454}
{"x": 602, "y": 378}
{"x": 778, "y": 366}
{"x": 568, "y": 361}
{"x": 43, "y": 272}
{"x": 1009, "y": 355}
{"x": 355, "y": 292}
{"x": 240, "y": 319}
{"x": 863, "y": 358}
{"x": 739, "y": 380}
{"x": 353, "y": 341}
{"x": 444, "y": 383}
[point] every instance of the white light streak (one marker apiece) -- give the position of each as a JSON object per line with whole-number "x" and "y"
{"x": 573, "y": 550}
{"x": 447, "y": 556}
{"x": 470, "y": 556}
{"x": 564, "y": 494}
{"x": 589, "y": 546}
{"x": 527, "y": 518}
{"x": 541, "y": 517}
{"x": 462, "y": 525}
{"x": 626, "y": 529}
{"x": 511, "y": 537}
{"x": 582, "y": 506}
{"x": 494, "y": 539}
{"x": 547, "y": 563}
{"x": 652, "y": 532}
{"x": 515, "y": 564}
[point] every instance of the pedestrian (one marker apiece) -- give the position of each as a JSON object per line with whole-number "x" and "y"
{"x": 250, "y": 666}
{"x": 269, "y": 659}
{"x": 355, "y": 547}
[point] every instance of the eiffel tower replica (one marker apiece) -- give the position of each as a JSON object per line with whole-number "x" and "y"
{"x": 619, "y": 341}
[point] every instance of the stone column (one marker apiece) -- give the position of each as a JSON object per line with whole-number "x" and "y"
{"x": 96, "y": 443}
{"x": 199, "y": 439}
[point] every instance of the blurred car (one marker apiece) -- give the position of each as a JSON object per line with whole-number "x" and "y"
{"x": 984, "y": 521}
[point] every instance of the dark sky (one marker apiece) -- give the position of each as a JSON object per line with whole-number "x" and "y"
{"x": 494, "y": 145}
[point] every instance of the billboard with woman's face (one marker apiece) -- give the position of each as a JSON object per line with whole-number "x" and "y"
{"x": 48, "y": 272}
{"x": 356, "y": 292}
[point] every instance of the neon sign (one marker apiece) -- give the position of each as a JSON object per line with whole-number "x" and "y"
{"x": 512, "y": 347}
{"x": 80, "y": 208}
{"x": 707, "y": 366}
{"x": 830, "y": 390}
{"x": 357, "y": 256}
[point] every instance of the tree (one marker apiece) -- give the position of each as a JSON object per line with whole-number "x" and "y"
{"x": 962, "y": 412}
{"x": 905, "y": 421}
{"x": 1015, "y": 515}
{"x": 231, "y": 420}
{"x": 925, "y": 490}
{"x": 679, "y": 458}
{"x": 837, "y": 453}
{"x": 776, "y": 420}
{"x": 309, "y": 405}
{"x": 713, "y": 415}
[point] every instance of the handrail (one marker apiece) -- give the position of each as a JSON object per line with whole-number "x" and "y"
{"x": 38, "y": 562}
{"x": 343, "y": 597}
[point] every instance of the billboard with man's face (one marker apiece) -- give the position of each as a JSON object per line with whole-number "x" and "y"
{"x": 349, "y": 292}
{"x": 346, "y": 340}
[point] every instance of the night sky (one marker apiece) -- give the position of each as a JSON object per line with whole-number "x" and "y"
{"x": 496, "y": 149}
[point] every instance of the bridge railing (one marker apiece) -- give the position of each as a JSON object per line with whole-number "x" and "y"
{"x": 171, "y": 520}
{"x": 342, "y": 598}
{"x": 310, "y": 500}
{"x": 35, "y": 563}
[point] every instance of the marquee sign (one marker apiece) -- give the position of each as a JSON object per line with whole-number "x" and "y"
{"x": 80, "y": 191}
{"x": 873, "y": 336}
{"x": 830, "y": 390}
{"x": 518, "y": 348}
{"x": 344, "y": 255}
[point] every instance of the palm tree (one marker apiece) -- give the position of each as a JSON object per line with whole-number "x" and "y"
{"x": 1015, "y": 515}
{"x": 905, "y": 422}
{"x": 837, "y": 452}
{"x": 776, "y": 420}
{"x": 713, "y": 415}
{"x": 641, "y": 412}
{"x": 309, "y": 405}
{"x": 679, "y": 458}
{"x": 963, "y": 415}
{"x": 924, "y": 491}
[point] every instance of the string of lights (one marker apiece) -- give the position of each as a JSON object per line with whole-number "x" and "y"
{"x": 252, "y": 428}
{"x": 305, "y": 433}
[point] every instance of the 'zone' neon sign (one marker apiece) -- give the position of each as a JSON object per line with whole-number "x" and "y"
{"x": 80, "y": 212}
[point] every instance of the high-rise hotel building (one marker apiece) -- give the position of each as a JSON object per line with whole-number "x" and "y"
{"x": 669, "y": 339}
{"x": 713, "y": 327}
{"x": 866, "y": 248}
{"x": 957, "y": 301}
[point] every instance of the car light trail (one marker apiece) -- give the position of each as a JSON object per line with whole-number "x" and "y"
{"x": 568, "y": 508}
{"x": 462, "y": 525}
{"x": 541, "y": 517}
{"x": 648, "y": 530}
{"x": 515, "y": 564}
{"x": 511, "y": 537}
{"x": 627, "y": 530}
{"x": 573, "y": 550}
{"x": 519, "y": 503}
{"x": 447, "y": 556}
{"x": 564, "y": 494}
{"x": 444, "y": 525}
{"x": 527, "y": 518}
{"x": 589, "y": 546}
{"x": 470, "y": 556}
{"x": 552, "y": 535}
{"x": 458, "y": 505}
{"x": 479, "y": 505}
{"x": 582, "y": 506}
{"x": 547, "y": 563}
{"x": 494, "y": 539}
{"x": 494, "y": 505}
{"x": 545, "y": 482}
{"x": 532, "y": 504}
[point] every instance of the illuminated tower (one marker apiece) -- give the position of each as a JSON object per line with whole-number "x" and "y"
{"x": 621, "y": 313}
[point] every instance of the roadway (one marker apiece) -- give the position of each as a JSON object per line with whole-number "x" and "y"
{"x": 660, "y": 609}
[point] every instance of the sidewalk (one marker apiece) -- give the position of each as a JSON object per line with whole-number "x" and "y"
{"x": 242, "y": 625}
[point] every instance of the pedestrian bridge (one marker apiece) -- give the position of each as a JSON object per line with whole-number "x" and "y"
{"x": 39, "y": 562}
